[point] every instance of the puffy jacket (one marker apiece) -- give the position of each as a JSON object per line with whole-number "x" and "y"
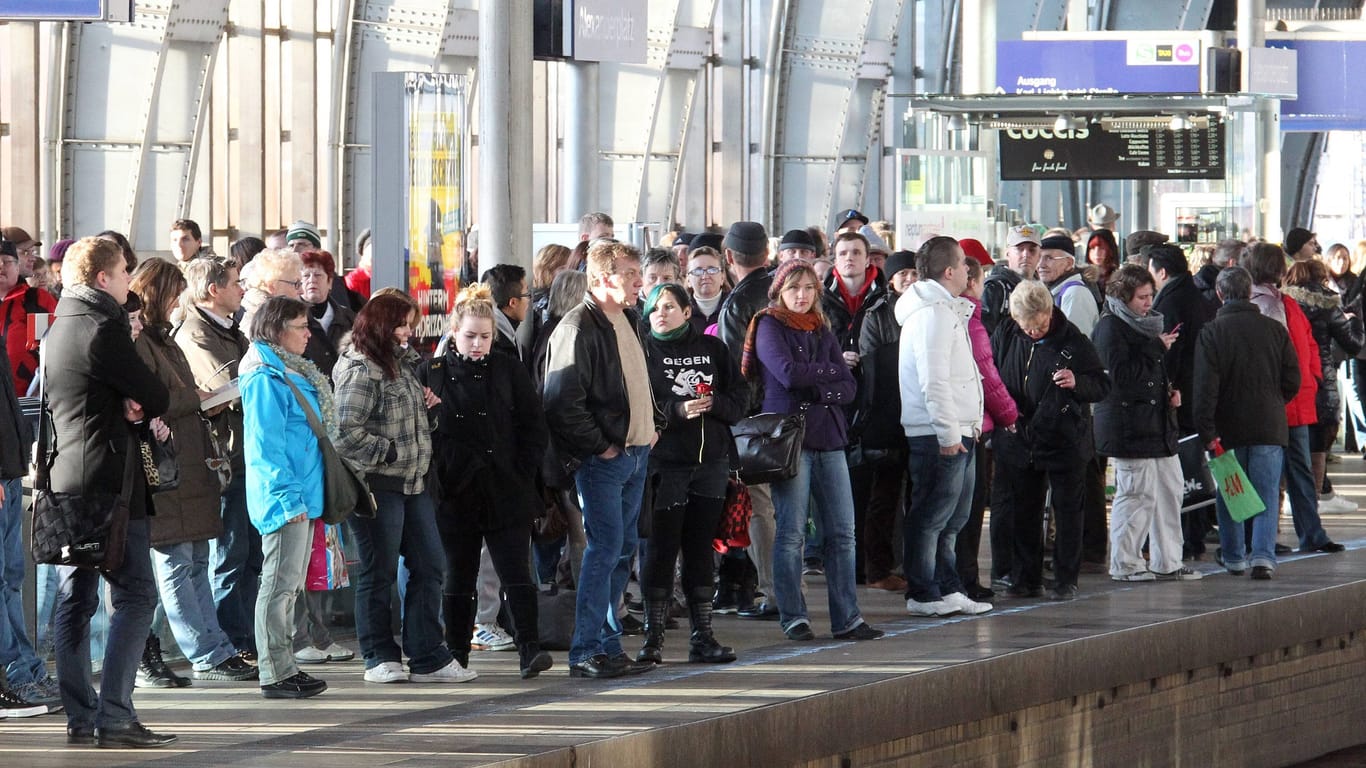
{"x": 941, "y": 390}
{"x": 1303, "y": 410}
{"x": 676, "y": 368}
{"x": 16, "y": 433}
{"x": 1330, "y": 326}
{"x": 1000, "y": 282}
{"x": 1054, "y": 428}
{"x": 1136, "y": 420}
{"x": 284, "y": 464}
{"x": 806, "y": 370}
{"x": 375, "y": 415}
{"x": 1246, "y": 371}
{"x": 1000, "y": 409}
{"x": 877, "y": 420}
{"x": 1078, "y": 300}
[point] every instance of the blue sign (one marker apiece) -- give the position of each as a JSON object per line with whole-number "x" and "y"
{"x": 52, "y": 10}
{"x": 1047, "y": 67}
{"x": 1330, "y": 96}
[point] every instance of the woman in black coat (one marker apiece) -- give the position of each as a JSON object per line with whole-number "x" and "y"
{"x": 489, "y": 439}
{"x": 1053, "y": 374}
{"x": 698, "y": 386}
{"x": 1136, "y": 426}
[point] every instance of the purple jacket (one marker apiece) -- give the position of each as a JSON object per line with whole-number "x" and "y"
{"x": 806, "y": 368}
{"x": 1000, "y": 408}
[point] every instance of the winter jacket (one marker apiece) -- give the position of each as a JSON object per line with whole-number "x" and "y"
{"x": 805, "y": 370}
{"x": 676, "y": 368}
{"x": 16, "y": 433}
{"x": 1303, "y": 410}
{"x": 1330, "y": 326}
{"x": 376, "y": 414}
{"x": 1204, "y": 280}
{"x": 1078, "y": 300}
{"x": 1000, "y": 282}
{"x": 92, "y": 367}
{"x": 701, "y": 320}
{"x": 877, "y": 419}
{"x": 1054, "y": 428}
{"x": 1181, "y": 303}
{"x": 22, "y": 301}
{"x": 739, "y": 307}
{"x": 941, "y": 390}
{"x": 190, "y": 512}
{"x": 845, "y": 324}
{"x": 1000, "y": 409}
{"x": 489, "y": 440}
{"x": 215, "y": 352}
{"x": 1136, "y": 420}
{"x": 325, "y": 345}
{"x": 284, "y": 466}
{"x": 1246, "y": 370}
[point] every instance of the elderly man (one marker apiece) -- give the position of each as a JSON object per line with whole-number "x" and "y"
{"x": 1077, "y": 297}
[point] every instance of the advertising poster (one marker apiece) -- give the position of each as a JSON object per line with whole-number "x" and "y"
{"x": 434, "y": 185}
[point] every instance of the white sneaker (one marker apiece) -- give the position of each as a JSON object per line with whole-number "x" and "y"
{"x": 386, "y": 672}
{"x": 310, "y": 655}
{"x": 935, "y": 608}
{"x": 337, "y": 652}
{"x": 491, "y": 637}
{"x": 1136, "y": 576}
{"x": 966, "y": 604}
{"x": 451, "y": 673}
{"x": 1336, "y": 504}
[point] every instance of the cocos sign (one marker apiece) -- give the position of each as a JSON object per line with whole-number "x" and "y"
{"x": 1041, "y": 133}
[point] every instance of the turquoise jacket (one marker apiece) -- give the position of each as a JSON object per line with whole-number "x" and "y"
{"x": 284, "y": 464}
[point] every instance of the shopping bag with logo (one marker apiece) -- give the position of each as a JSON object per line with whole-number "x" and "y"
{"x": 1198, "y": 489}
{"x": 1239, "y": 495}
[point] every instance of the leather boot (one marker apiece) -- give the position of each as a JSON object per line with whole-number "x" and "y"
{"x": 656, "y": 614}
{"x": 702, "y": 646}
{"x": 458, "y": 613}
{"x": 521, "y": 603}
{"x": 153, "y": 671}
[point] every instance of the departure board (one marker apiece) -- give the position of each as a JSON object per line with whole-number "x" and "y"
{"x": 1093, "y": 153}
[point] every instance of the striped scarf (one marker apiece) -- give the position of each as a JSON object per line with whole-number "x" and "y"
{"x": 797, "y": 321}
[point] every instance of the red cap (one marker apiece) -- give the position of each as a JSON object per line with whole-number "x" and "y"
{"x": 975, "y": 250}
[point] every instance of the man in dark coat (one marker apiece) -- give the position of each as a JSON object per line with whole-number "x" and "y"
{"x": 1246, "y": 372}
{"x": 100, "y": 391}
{"x": 1226, "y": 254}
{"x": 1022, "y": 259}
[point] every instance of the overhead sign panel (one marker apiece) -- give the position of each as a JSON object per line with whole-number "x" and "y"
{"x": 1092, "y": 153}
{"x": 608, "y": 30}
{"x": 53, "y": 10}
{"x": 1329, "y": 95}
{"x": 1148, "y": 65}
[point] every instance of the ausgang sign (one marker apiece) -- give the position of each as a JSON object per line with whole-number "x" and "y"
{"x": 608, "y": 30}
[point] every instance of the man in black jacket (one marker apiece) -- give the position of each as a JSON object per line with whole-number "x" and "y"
{"x": 1226, "y": 254}
{"x": 1246, "y": 371}
{"x": 1022, "y": 260}
{"x": 507, "y": 283}
{"x": 100, "y": 392}
{"x": 603, "y": 423}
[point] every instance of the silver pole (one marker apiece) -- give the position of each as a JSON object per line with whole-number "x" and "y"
{"x": 505, "y": 141}
{"x": 580, "y": 194}
{"x": 1266, "y": 209}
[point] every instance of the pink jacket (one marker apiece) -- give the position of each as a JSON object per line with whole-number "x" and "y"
{"x": 1000, "y": 408}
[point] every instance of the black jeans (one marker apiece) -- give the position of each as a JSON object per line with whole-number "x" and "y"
{"x": 1022, "y": 490}
{"x": 510, "y": 551}
{"x": 689, "y": 502}
{"x": 969, "y": 542}
{"x": 875, "y": 536}
{"x": 1096, "y": 526}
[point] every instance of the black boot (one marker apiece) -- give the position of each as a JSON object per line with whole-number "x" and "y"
{"x": 458, "y": 613}
{"x": 521, "y": 603}
{"x": 656, "y": 614}
{"x": 152, "y": 670}
{"x": 728, "y": 579}
{"x": 702, "y": 646}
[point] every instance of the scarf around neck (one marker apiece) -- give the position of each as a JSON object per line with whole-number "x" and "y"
{"x": 798, "y": 321}
{"x": 305, "y": 367}
{"x": 1149, "y": 325}
{"x": 102, "y": 302}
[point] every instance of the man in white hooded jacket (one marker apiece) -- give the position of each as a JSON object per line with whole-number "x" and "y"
{"x": 941, "y": 411}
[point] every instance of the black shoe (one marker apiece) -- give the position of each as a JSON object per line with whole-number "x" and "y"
{"x": 599, "y": 666}
{"x": 813, "y": 566}
{"x": 133, "y": 735}
{"x": 1063, "y": 593}
{"x": 539, "y": 662}
{"x": 1282, "y": 549}
{"x": 233, "y": 668}
{"x": 979, "y": 592}
{"x": 630, "y": 665}
{"x": 1021, "y": 591}
{"x": 80, "y": 736}
{"x": 1327, "y": 546}
{"x": 14, "y": 705}
{"x": 860, "y": 632}
{"x": 1261, "y": 573}
{"x": 300, "y": 686}
{"x": 152, "y": 670}
{"x": 630, "y": 625}
{"x": 766, "y": 611}
{"x": 247, "y": 656}
{"x": 801, "y": 632}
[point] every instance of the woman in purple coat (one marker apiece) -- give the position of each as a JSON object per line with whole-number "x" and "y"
{"x": 790, "y": 348}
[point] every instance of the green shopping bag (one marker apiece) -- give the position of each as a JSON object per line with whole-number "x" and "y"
{"x": 1239, "y": 495}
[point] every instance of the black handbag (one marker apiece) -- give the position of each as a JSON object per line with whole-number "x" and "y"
{"x": 1198, "y": 483}
{"x": 768, "y": 446}
{"x": 345, "y": 491}
{"x": 159, "y": 463}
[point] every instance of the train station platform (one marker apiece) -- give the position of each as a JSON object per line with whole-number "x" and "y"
{"x": 1223, "y": 671}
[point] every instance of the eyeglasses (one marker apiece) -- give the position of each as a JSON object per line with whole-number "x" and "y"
{"x": 8, "y": 262}
{"x": 1058, "y": 257}
{"x": 700, "y": 271}
{"x": 295, "y": 283}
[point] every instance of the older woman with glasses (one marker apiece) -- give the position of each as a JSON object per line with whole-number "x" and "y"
{"x": 273, "y": 273}
{"x": 707, "y": 281}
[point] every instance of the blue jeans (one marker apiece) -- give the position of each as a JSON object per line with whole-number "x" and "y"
{"x": 133, "y": 593}
{"x": 182, "y": 574}
{"x": 403, "y": 525}
{"x": 941, "y": 500}
{"x": 18, "y": 660}
{"x": 610, "y": 492}
{"x": 1262, "y": 463}
{"x": 822, "y": 476}
{"x": 236, "y": 562}
{"x": 1303, "y": 491}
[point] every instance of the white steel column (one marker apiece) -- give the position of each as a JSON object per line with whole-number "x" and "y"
{"x": 580, "y": 190}
{"x": 978, "y": 32}
{"x": 505, "y": 150}
{"x": 1266, "y": 211}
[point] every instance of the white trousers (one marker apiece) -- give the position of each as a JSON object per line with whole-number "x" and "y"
{"x": 1147, "y": 505}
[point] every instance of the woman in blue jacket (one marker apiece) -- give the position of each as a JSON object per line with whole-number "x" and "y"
{"x": 791, "y": 347}
{"x": 284, "y": 480}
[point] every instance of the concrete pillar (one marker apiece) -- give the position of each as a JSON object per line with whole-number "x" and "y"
{"x": 580, "y": 186}
{"x": 505, "y": 150}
